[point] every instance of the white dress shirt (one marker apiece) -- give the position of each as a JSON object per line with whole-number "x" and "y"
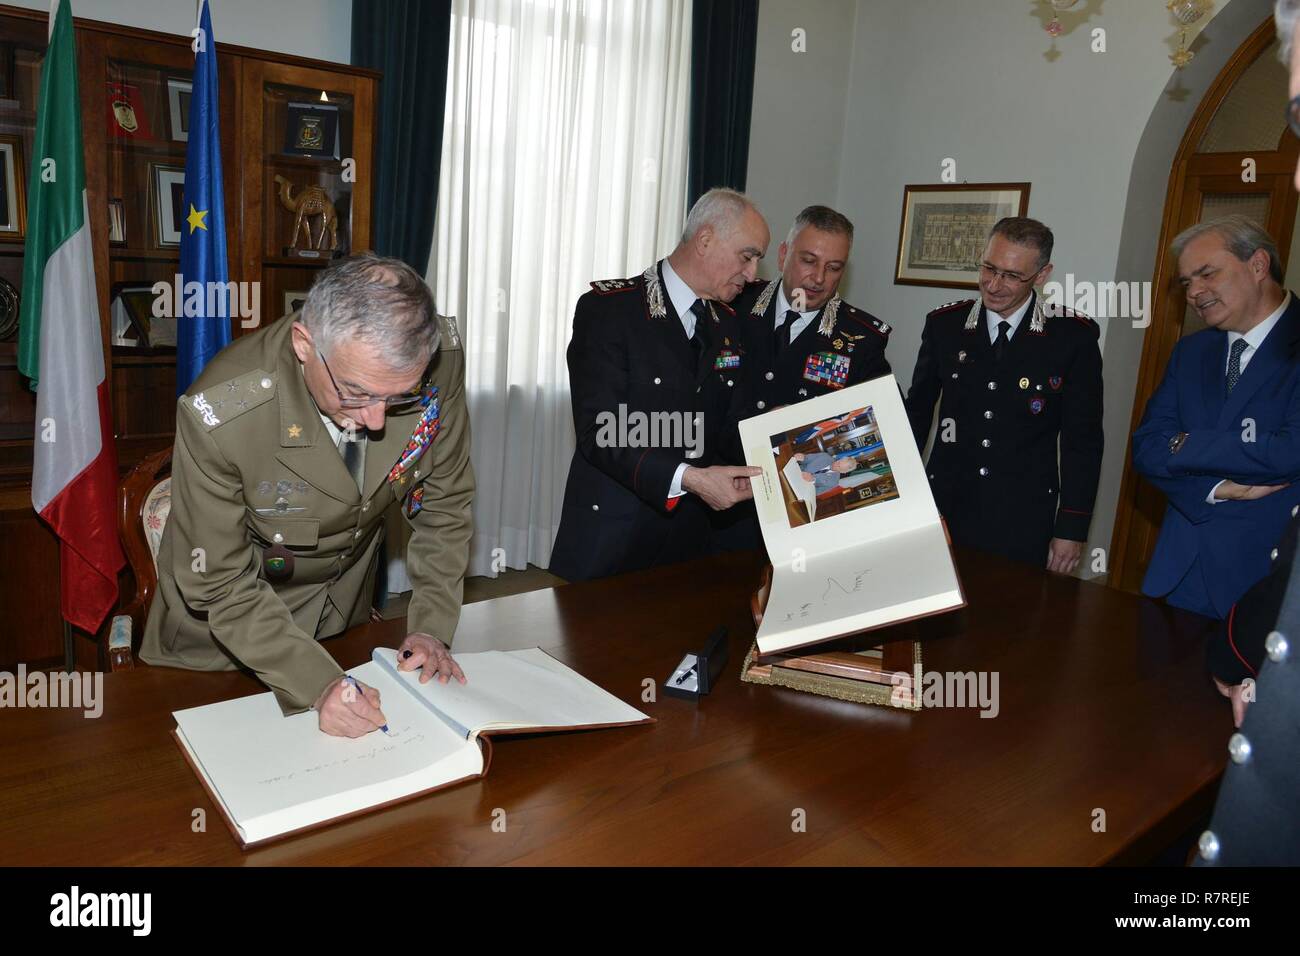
{"x": 783, "y": 306}
{"x": 992, "y": 319}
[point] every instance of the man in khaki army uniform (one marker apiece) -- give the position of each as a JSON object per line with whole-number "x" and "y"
{"x": 290, "y": 446}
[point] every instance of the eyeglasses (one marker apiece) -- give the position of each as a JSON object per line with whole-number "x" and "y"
{"x": 405, "y": 400}
{"x": 1293, "y": 115}
{"x": 993, "y": 273}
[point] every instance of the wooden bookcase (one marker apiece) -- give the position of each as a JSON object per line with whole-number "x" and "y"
{"x": 132, "y": 162}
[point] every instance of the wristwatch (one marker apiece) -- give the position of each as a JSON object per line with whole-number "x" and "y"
{"x": 1176, "y": 442}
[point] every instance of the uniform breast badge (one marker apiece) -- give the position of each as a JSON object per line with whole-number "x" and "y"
{"x": 726, "y": 359}
{"x": 1035, "y": 405}
{"x": 1024, "y": 384}
{"x": 414, "y": 502}
{"x": 1055, "y": 382}
{"x": 827, "y": 368}
{"x": 425, "y": 431}
{"x": 277, "y": 562}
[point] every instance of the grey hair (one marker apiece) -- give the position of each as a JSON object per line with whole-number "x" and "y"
{"x": 1024, "y": 231}
{"x": 1242, "y": 236}
{"x": 375, "y": 300}
{"x": 1286, "y": 13}
{"x": 820, "y": 217}
{"x": 720, "y": 208}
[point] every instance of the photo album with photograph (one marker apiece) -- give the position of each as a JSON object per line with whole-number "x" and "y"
{"x": 846, "y": 512}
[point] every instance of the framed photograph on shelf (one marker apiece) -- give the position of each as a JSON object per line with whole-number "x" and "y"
{"x": 13, "y": 188}
{"x": 168, "y": 196}
{"x": 312, "y": 129}
{"x": 116, "y": 222}
{"x": 943, "y": 229}
{"x": 294, "y": 300}
{"x": 178, "y": 106}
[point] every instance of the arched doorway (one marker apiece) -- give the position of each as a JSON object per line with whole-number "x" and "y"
{"x": 1237, "y": 156}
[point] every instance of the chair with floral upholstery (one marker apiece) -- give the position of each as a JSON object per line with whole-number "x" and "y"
{"x": 145, "y": 499}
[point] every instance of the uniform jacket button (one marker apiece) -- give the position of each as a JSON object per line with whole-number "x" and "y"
{"x": 1272, "y": 555}
{"x": 595, "y": 507}
{"x": 993, "y": 386}
{"x": 277, "y": 538}
{"x": 1238, "y": 748}
{"x": 760, "y": 404}
{"x": 769, "y": 376}
{"x": 1295, "y": 510}
{"x": 1208, "y": 846}
{"x": 266, "y": 383}
{"x": 988, "y": 414}
{"x": 984, "y": 472}
{"x": 954, "y": 374}
{"x": 1276, "y": 646}
{"x": 657, "y": 380}
{"x": 986, "y": 443}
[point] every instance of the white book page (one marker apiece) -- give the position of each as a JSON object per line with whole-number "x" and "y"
{"x": 894, "y": 449}
{"x": 275, "y": 773}
{"x": 516, "y": 689}
{"x": 846, "y": 591}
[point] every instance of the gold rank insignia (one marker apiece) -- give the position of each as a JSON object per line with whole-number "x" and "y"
{"x": 1024, "y": 383}
{"x": 838, "y": 343}
{"x": 295, "y": 430}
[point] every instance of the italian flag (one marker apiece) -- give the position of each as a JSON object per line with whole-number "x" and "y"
{"x": 61, "y": 348}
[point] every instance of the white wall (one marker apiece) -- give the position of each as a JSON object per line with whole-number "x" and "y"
{"x": 935, "y": 79}
{"x": 797, "y": 132}
{"x": 320, "y": 29}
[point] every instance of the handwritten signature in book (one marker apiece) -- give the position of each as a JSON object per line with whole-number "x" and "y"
{"x": 370, "y": 754}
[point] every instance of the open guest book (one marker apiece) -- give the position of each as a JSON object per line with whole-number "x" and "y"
{"x": 273, "y": 775}
{"x": 851, "y": 528}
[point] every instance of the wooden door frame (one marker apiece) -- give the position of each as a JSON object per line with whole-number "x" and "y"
{"x": 1134, "y": 533}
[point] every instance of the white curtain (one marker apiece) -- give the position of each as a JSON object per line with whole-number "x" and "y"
{"x": 564, "y": 161}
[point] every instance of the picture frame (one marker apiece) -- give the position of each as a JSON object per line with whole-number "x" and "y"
{"x": 127, "y": 117}
{"x": 312, "y": 129}
{"x": 943, "y": 228}
{"x": 178, "y": 107}
{"x": 13, "y": 189}
{"x": 116, "y": 222}
{"x": 167, "y": 194}
{"x": 294, "y": 299}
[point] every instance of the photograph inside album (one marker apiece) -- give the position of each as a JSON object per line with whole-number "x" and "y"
{"x": 851, "y": 528}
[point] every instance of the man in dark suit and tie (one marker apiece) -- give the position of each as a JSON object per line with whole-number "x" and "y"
{"x": 1017, "y": 454}
{"x": 1221, "y": 435}
{"x": 655, "y": 369}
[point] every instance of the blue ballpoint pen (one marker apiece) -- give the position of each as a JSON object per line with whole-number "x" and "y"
{"x": 353, "y": 681}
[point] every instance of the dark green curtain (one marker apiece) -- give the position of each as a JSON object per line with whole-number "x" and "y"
{"x": 723, "y": 42}
{"x": 408, "y": 41}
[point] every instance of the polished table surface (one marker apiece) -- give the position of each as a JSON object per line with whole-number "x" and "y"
{"x": 1104, "y": 706}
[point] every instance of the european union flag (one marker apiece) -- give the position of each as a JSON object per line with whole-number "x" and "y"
{"x": 203, "y": 318}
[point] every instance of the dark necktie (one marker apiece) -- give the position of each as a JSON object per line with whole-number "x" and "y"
{"x": 354, "y": 455}
{"x": 783, "y": 331}
{"x": 1000, "y": 343}
{"x": 1234, "y": 363}
{"x": 701, "y": 311}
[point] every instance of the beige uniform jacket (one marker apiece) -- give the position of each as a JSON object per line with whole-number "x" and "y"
{"x": 256, "y": 477}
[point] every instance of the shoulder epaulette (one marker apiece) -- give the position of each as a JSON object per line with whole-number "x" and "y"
{"x": 448, "y": 333}
{"x": 610, "y": 286}
{"x": 226, "y": 401}
{"x": 876, "y": 325}
{"x": 1054, "y": 311}
{"x": 952, "y": 306}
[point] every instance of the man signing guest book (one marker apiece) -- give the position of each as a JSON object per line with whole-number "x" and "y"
{"x": 290, "y": 446}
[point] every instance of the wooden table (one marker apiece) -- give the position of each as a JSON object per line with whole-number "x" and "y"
{"x": 1104, "y": 705}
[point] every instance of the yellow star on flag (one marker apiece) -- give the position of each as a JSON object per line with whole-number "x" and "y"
{"x": 195, "y": 219}
{"x": 295, "y": 431}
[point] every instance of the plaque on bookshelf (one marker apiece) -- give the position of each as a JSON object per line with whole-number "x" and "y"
{"x": 126, "y": 115}
{"x": 12, "y": 187}
{"x": 308, "y": 203}
{"x": 312, "y": 129}
{"x": 168, "y": 203}
{"x": 178, "y": 107}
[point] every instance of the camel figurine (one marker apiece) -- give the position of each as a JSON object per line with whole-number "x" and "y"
{"x": 309, "y": 201}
